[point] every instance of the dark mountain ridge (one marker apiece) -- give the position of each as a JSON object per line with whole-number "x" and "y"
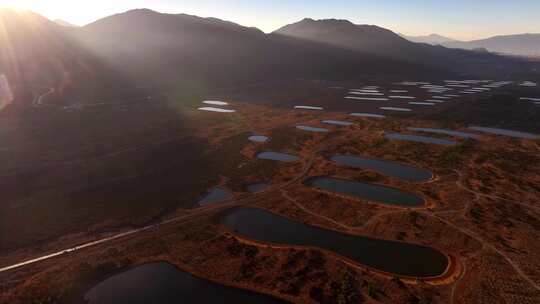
{"x": 184, "y": 48}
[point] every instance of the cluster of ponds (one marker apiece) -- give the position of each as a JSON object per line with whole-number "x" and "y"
{"x": 164, "y": 283}
{"x": 439, "y": 92}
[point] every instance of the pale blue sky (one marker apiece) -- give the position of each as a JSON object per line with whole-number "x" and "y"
{"x": 461, "y": 19}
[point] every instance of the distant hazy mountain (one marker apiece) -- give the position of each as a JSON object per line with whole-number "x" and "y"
{"x": 524, "y": 44}
{"x": 429, "y": 39}
{"x": 64, "y": 23}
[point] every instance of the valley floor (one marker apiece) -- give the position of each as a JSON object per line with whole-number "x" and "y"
{"x": 482, "y": 207}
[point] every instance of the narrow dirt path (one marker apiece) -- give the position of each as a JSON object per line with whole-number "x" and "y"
{"x": 303, "y": 208}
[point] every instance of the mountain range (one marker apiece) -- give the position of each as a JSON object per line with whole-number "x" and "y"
{"x": 520, "y": 45}
{"x": 177, "y": 51}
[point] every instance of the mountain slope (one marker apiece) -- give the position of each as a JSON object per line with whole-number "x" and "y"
{"x": 145, "y": 44}
{"x": 524, "y": 44}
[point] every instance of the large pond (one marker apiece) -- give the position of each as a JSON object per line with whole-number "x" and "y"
{"x": 445, "y": 132}
{"x": 389, "y": 256}
{"x": 420, "y": 139}
{"x": 506, "y": 132}
{"x": 366, "y": 191}
{"x": 392, "y": 169}
{"x": 278, "y": 156}
{"x": 215, "y": 195}
{"x": 163, "y": 283}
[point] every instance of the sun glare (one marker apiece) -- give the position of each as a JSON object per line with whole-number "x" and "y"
{"x": 71, "y": 11}
{"x": 41, "y": 7}
{"x": 16, "y": 5}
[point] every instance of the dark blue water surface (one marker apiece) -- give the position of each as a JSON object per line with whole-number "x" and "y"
{"x": 163, "y": 283}
{"x": 389, "y": 256}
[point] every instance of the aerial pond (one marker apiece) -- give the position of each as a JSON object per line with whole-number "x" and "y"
{"x": 312, "y": 129}
{"x": 366, "y": 191}
{"x": 420, "y": 139}
{"x": 215, "y": 195}
{"x": 389, "y": 256}
{"x": 506, "y": 132}
{"x": 258, "y": 138}
{"x": 278, "y": 156}
{"x": 165, "y": 284}
{"x": 445, "y": 132}
{"x": 392, "y": 169}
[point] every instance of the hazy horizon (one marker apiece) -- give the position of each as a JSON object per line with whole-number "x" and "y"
{"x": 457, "y": 20}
